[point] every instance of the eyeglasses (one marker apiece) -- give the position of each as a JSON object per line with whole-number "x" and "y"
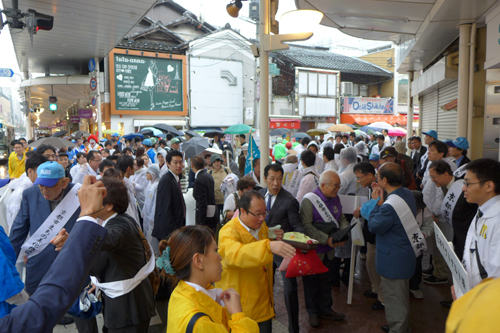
{"x": 469, "y": 184}
{"x": 264, "y": 215}
{"x": 335, "y": 187}
{"x": 359, "y": 178}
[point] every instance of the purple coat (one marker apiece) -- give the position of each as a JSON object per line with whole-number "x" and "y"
{"x": 335, "y": 208}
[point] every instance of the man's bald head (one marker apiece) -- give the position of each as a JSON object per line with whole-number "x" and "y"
{"x": 393, "y": 173}
{"x": 329, "y": 177}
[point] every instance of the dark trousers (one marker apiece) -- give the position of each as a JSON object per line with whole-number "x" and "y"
{"x": 141, "y": 328}
{"x": 318, "y": 292}
{"x": 416, "y": 279}
{"x": 266, "y": 326}
{"x": 86, "y": 325}
{"x": 335, "y": 271}
{"x": 291, "y": 295}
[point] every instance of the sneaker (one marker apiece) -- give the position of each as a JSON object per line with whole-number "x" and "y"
{"x": 378, "y": 305}
{"x": 66, "y": 321}
{"x": 335, "y": 316}
{"x": 314, "y": 321}
{"x": 446, "y": 304}
{"x": 434, "y": 280}
{"x": 417, "y": 293}
{"x": 385, "y": 328}
{"x": 369, "y": 294}
{"x": 428, "y": 272}
{"x": 362, "y": 256}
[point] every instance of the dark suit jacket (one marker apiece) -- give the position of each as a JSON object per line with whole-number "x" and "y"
{"x": 33, "y": 212}
{"x": 170, "y": 207}
{"x": 61, "y": 285}
{"x": 203, "y": 193}
{"x": 464, "y": 160}
{"x": 416, "y": 158}
{"x": 121, "y": 257}
{"x": 462, "y": 216}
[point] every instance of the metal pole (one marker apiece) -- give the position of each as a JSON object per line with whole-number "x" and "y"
{"x": 463, "y": 79}
{"x": 264, "y": 89}
{"x": 409, "y": 114}
{"x": 98, "y": 102}
{"x": 472, "y": 60}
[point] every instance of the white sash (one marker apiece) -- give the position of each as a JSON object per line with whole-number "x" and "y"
{"x": 450, "y": 200}
{"x": 53, "y": 224}
{"x": 424, "y": 158}
{"x": 409, "y": 223}
{"x": 320, "y": 206}
{"x": 460, "y": 172}
{"x": 294, "y": 181}
{"x": 119, "y": 288}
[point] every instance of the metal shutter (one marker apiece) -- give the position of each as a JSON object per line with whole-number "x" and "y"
{"x": 447, "y": 120}
{"x": 428, "y": 114}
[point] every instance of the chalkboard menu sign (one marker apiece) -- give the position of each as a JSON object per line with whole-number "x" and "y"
{"x": 146, "y": 83}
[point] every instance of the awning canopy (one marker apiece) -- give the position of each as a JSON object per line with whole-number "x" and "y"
{"x": 284, "y": 123}
{"x": 366, "y": 119}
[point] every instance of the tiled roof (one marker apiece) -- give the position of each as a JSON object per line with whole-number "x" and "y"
{"x": 322, "y": 58}
{"x": 146, "y": 45}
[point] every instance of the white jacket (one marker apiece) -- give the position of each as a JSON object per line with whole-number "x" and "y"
{"x": 84, "y": 170}
{"x": 148, "y": 210}
{"x": 18, "y": 186}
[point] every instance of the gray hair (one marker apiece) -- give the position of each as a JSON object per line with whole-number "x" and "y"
{"x": 290, "y": 159}
{"x": 327, "y": 176}
{"x": 350, "y": 154}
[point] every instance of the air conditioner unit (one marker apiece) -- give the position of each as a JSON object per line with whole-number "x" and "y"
{"x": 346, "y": 88}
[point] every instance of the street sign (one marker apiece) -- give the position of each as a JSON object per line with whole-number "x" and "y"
{"x": 94, "y": 93}
{"x": 93, "y": 83}
{"x": 94, "y": 102}
{"x": 6, "y": 72}
{"x": 91, "y": 65}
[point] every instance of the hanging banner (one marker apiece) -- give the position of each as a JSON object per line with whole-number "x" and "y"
{"x": 85, "y": 113}
{"x": 368, "y": 105}
{"x": 74, "y": 119}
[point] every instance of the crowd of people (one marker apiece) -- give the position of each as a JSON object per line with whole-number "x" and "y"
{"x": 217, "y": 272}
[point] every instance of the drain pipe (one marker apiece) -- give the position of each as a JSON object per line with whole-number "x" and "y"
{"x": 463, "y": 79}
{"x": 472, "y": 60}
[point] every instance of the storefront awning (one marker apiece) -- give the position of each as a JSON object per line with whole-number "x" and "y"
{"x": 284, "y": 123}
{"x": 366, "y": 119}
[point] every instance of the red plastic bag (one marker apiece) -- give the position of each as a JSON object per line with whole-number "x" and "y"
{"x": 305, "y": 264}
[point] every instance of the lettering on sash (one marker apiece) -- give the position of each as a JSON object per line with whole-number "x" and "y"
{"x": 409, "y": 223}
{"x": 450, "y": 200}
{"x": 53, "y": 224}
{"x": 294, "y": 181}
{"x": 322, "y": 209}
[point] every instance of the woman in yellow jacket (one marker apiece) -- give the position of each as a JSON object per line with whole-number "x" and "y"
{"x": 190, "y": 257}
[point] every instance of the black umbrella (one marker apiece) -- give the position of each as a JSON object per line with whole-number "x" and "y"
{"x": 52, "y": 141}
{"x": 300, "y": 135}
{"x": 193, "y": 134}
{"x": 168, "y": 128}
{"x": 194, "y": 146}
{"x": 59, "y": 134}
{"x": 279, "y": 131}
{"x": 146, "y": 132}
{"x": 211, "y": 134}
{"x": 81, "y": 133}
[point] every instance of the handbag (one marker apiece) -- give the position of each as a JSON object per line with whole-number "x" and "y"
{"x": 86, "y": 306}
{"x": 303, "y": 264}
{"x": 357, "y": 232}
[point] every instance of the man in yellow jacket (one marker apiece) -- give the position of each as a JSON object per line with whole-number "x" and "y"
{"x": 17, "y": 160}
{"x": 247, "y": 259}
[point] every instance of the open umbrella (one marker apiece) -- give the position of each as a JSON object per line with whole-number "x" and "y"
{"x": 115, "y": 134}
{"x": 58, "y": 134}
{"x": 214, "y": 151}
{"x": 360, "y": 133}
{"x": 279, "y": 131}
{"x": 193, "y": 134}
{"x": 317, "y": 131}
{"x": 379, "y": 125}
{"x": 55, "y": 142}
{"x": 132, "y": 136}
{"x": 396, "y": 132}
{"x": 339, "y": 128}
{"x": 211, "y": 134}
{"x": 109, "y": 131}
{"x": 194, "y": 146}
{"x": 167, "y": 128}
{"x": 151, "y": 131}
{"x": 80, "y": 134}
{"x": 351, "y": 126}
{"x": 300, "y": 135}
{"x": 238, "y": 129}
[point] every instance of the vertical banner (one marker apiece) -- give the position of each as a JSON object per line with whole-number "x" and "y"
{"x": 253, "y": 153}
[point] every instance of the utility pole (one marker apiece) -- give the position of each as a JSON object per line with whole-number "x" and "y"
{"x": 264, "y": 89}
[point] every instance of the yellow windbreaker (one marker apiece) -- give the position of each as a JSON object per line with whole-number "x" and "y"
{"x": 477, "y": 310}
{"x": 16, "y": 166}
{"x": 185, "y": 302}
{"x": 248, "y": 268}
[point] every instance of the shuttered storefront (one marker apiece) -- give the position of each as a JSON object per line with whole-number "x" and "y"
{"x": 433, "y": 117}
{"x": 447, "y": 120}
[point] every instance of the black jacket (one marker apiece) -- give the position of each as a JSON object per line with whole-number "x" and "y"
{"x": 462, "y": 216}
{"x": 284, "y": 212}
{"x": 416, "y": 155}
{"x": 121, "y": 257}
{"x": 203, "y": 193}
{"x": 170, "y": 207}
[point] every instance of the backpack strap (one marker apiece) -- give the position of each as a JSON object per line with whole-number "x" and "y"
{"x": 193, "y": 320}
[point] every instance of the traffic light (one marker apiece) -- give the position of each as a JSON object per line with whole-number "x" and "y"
{"x": 53, "y": 103}
{"x": 40, "y": 21}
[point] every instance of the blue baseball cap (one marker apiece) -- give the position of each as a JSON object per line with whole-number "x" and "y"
{"x": 4, "y": 182}
{"x": 449, "y": 143}
{"x": 461, "y": 143}
{"x": 49, "y": 173}
{"x": 374, "y": 157}
{"x": 432, "y": 133}
{"x": 147, "y": 142}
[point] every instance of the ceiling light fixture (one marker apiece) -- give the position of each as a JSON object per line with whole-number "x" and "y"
{"x": 392, "y": 19}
